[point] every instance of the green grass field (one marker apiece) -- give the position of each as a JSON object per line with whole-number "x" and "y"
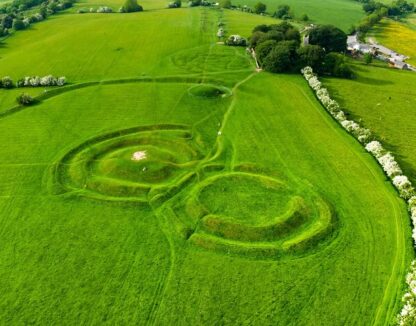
{"x": 386, "y": 104}
{"x": 341, "y": 13}
{"x": 411, "y": 21}
{"x": 116, "y": 4}
{"x": 171, "y": 184}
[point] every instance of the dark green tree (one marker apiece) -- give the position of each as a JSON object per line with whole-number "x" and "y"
{"x": 263, "y": 50}
{"x": 131, "y": 6}
{"x": 304, "y": 18}
{"x": 368, "y": 58}
{"x": 282, "y": 12}
{"x": 255, "y": 38}
{"x": 18, "y": 24}
{"x": 335, "y": 64}
{"x": 311, "y": 55}
{"x": 175, "y": 4}
{"x": 260, "y": 8}
{"x": 195, "y": 3}
{"x": 331, "y": 38}
{"x": 261, "y": 28}
{"x": 7, "y": 21}
{"x": 272, "y": 35}
{"x": 282, "y": 58}
{"x": 25, "y": 99}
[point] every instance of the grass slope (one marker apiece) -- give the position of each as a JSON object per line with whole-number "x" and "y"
{"x": 386, "y": 104}
{"x": 114, "y": 50}
{"x": 243, "y": 23}
{"x": 341, "y": 13}
{"x": 90, "y": 237}
{"x": 116, "y": 4}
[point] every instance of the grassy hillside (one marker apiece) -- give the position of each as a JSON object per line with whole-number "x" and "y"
{"x": 341, "y": 13}
{"x": 411, "y": 20}
{"x": 386, "y": 104}
{"x": 172, "y": 184}
{"x": 397, "y": 36}
{"x": 243, "y": 23}
{"x": 116, "y": 4}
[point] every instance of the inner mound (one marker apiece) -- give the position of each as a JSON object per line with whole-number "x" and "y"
{"x": 146, "y": 164}
{"x": 244, "y": 199}
{"x": 255, "y": 214}
{"x": 127, "y": 164}
{"x": 209, "y": 91}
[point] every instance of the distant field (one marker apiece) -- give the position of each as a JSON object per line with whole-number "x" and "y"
{"x": 411, "y": 21}
{"x": 386, "y": 103}
{"x": 115, "y": 50}
{"x": 116, "y": 4}
{"x": 341, "y": 13}
{"x": 243, "y": 23}
{"x": 171, "y": 184}
{"x": 397, "y": 36}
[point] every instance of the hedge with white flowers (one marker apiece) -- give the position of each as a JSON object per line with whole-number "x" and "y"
{"x": 104, "y": 10}
{"x": 392, "y": 169}
{"x": 36, "y": 81}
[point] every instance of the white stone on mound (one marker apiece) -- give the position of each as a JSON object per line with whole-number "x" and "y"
{"x": 138, "y": 156}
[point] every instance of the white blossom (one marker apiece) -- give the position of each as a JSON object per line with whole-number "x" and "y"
{"x": 390, "y": 166}
{"x": 307, "y": 70}
{"x": 375, "y": 148}
{"x": 26, "y": 21}
{"x": 38, "y": 17}
{"x": 104, "y": 10}
{"x": 363, "y": 135}
{"x": 407, "y": 316}
{"x": 48, "y": 81}
{"x": 34, "y": 81}
{"x": 332, "y": 106}
{"x": 314, "y": 83}
{"x": 350, "y": 125}
{"x": 340, "y": 116}
{"x": 37, "y": 81}
{"x": 404, "y": 186}
{"x": 61, "y": 81}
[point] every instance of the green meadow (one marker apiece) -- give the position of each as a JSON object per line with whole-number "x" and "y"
{"x": 341, "y": 13}
{"x": 386, "y": 104}
{"x": 169, "y": 183}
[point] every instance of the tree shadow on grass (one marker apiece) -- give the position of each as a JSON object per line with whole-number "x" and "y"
{"x": 361, "y": 78}
{"x": 373, "y": 81}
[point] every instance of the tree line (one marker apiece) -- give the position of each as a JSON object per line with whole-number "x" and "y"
{"x": 279, "y": 49}
{"x": 376, "y": 11}
{"x": 15, "y": 15}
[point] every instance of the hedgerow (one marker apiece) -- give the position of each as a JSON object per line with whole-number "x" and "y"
{"x": 392, "y": 169}
{"x": 36, "y": 81}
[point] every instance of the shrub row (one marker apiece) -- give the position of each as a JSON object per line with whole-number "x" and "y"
{"x": 16, "y": 14}
{"x": 392, "y": 170}
{"x": 33, "y": 81}
{"x": 407, "y": 316}
{"x": 99, "y": 10}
